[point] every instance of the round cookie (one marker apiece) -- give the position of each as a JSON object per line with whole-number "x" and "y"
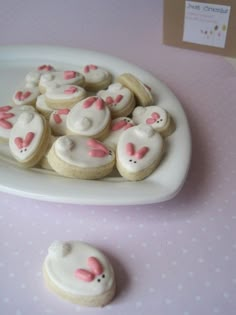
{"x": 29, "y": 138}
{"x": 81, "y": 157}
{"x": 141, "y": 91}
{"x": 26, "y": 96}
{"x": 118, "y": 126}
{"x": 8, "y": 117}
{"x": 96, "y": 78}
{"x": 58, "y": 78}
{"x": 90, "y": 117}
{"x": 57, "y": 121}
{"x": 139, "y": 151}
{"x": 79, "y": 273}
{"x": 120, "y": 100}
{"x": 155, "y": 116}
{"x": 64, "y": 96}
{"x": 42, "y": 106}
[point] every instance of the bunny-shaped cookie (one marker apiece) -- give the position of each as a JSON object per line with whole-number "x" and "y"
{"x": 81, "y": 157}
{"x": 80, "y": 273}
{"x": 139, "y": 151}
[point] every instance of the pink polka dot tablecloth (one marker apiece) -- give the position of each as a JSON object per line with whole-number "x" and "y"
{"x": 176, "y": 257}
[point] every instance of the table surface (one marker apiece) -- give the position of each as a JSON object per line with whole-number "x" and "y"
{"x": 176, "y": 257}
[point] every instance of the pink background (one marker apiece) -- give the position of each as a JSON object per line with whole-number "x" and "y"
{"x": 177, "y": 257}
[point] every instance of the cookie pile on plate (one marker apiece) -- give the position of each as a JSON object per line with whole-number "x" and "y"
{"x": 82, "y": 123}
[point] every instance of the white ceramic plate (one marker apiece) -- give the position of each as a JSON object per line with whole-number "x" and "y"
{"x": 163, "y": 184}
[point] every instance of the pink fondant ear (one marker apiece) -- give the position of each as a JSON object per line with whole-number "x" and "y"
{"x": 130, "y": 148}
{"x": 88, "y": 102}
{"x": 99, "y": 103}
{"x": 57, "y": 118}
{"x": 118, "y": 98}
{"x": 18, "y": 142}
{"x": 84, "y": 275}
{"x": 109, "y": 100}
{"x": 69, "y": 75}
{"x": 95, "y": 265}
{"x": 141, "y": 152}
{"x": 5, "y": 108}
{"x": 28, "y": 139}
{"x": 95, "y": 144}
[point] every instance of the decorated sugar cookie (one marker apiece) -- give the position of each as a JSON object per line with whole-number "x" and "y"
{"x": 80, "y": 273}
{"x": 57, "y": 121}
{"x": 120, "y": 100}
{"x": 29, "y": 138}
{"x": 90, "y": 117}
{"x": 64, "y": 96}
{"x": 8, "y": 116}
{"x": 139, "y": 151}
{"x": 57, "y": 78}
{"x": 141, "y": 91}
{"x": 155, "y": 116}
{"x": 81, "y": 157}
{"x": 32, "y": 78}
{"x": 26, "y": 96}
{"x": 118, "y": 126}
{"x": 96, "y": 77}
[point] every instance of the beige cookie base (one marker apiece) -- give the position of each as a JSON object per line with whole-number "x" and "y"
{"x": 43, "y": 163}
{"x": 73, "y": 171}
{"x": 95, "y": 87}
{"x": 142, "y": 94}
{"x": 93, "y": 301}
{"x": 125, "y": 111}
{"x": 60, "y": 104}
{"x": 42, "y": 148}
{"x": 99, "y": 136}
{"x": 169, "y": 128}
{"x": 140, "y": 175}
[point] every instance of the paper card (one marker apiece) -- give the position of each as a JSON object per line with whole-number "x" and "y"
{"x": 206, "y": 23}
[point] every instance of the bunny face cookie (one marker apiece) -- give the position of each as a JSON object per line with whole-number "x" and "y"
{"x": 81, "y": 157}
{"x": 96, "y": 78}
{"x": 64, "y": 96}
{"x": 155, "y": 116}
{"x": 120, "y": 100}
{"x": 139, "y": 151}
{"x": 79, "y": 273}
{"x": 57, "y": 78}
{"x": 8, "y": 117}
{"x": 90, "y": 117}
{"x": 26, "y": 96}
{"x": 29, "y": 138}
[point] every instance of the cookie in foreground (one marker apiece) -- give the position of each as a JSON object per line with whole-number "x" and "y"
{"x": 79, "y": 273}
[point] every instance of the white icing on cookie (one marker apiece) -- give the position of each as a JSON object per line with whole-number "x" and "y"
{"x": 32, "y": 78}
{"x": 26, "y": 96}
{"x": 65, "y": 92}
{"x": 80, "y": 270}
{"x": 88, "y": 117}
{"x": 82, "y": 151}
{"x": 138, "y": 147}
{"x": 26, "y": 135}
{"x": 154, "y": 116}
{"x": 42, "y": 106}
{"x": 94, "y": 74}
{"x": 118, "y": 126}
{"x": 57, "y": 121}
{"x": 57, "y": 78}
{"x": 116, "y": 96}
{"x": 9, "y": 115}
